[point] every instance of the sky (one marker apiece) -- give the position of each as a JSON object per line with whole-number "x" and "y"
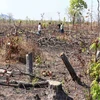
{"x": 20, "y": 9}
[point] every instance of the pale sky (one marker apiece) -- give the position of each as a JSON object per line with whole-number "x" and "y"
{"x": 34, "y": 8}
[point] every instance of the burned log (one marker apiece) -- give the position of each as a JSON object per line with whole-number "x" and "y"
{"x": 22, "y": 84}
{"x": 4, "y": 73}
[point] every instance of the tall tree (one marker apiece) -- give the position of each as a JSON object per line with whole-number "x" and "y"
{"x": 59, "y": 15}
{"x": 98, "y": 12}
{"x": 91, "y": 12}
{"x": 42, "y": 16}
{"x": 76, "y": 8}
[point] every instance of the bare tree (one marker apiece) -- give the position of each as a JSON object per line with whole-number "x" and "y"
{"x": 59, "y": 15}
{"x": 91, "y": 12}
{"x": 98, "y": 12}
{"x": 10, "y": 17}
{"x": 42, "y": 16}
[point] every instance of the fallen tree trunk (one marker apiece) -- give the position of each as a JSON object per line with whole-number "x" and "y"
{"x": 27, "y": 74}
{"x": 22, "y": 84}
{"x": 55, "y": 91}
{"x": 4, "y": 72}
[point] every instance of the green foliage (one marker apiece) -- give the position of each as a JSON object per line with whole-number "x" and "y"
{"x": 95, "y": 70}
{"x": 38, "y": 60}
{"x": 35, "y": 80}
{"x": 95, "y": 73}
{"x": 44, "y": 24}
{"x": 95, "y": 90}
{"x": 83, "y": 49}
{"x": 76, "y": 6}
{"x": 93, "y": 46}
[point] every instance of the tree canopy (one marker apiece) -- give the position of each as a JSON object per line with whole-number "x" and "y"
{"x": 76, "y": 6}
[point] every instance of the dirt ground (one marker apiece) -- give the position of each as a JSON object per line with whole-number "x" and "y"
{"x": 52, "y": 62}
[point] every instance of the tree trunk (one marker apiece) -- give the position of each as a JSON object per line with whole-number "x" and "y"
{"x": 98, "y": 12}
{"x": 55, "y": 91}
{"x": 69, "y": 67}
{"x": 29, "y": 65}
{"x": 73, "y": 19}
{"x": 22, "y": 84}
{"x": 72, "y": 72}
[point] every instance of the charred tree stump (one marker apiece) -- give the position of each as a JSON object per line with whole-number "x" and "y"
{"x": 70, "y": 68}
{"x": 72, "y": 72}
{"x": 55, "y": 91}
{"x": 29, "y": 65}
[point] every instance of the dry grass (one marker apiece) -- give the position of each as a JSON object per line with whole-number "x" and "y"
{"x": 16, "y": 48}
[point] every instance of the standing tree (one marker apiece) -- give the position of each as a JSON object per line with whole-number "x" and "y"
{"x": 98, "y": 12}
{"x": 91, "y": 12}
{"x": 59, "y": 15}
{"x": 76, "y": 8}
{"x": 27, "y": 19}
{"x": 10, "y": 16}
{"x": 42, "y": 16}
{"x": 64, "y": 20}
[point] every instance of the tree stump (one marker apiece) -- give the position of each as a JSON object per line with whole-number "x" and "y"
{"x": 70, "y": 68}
{"x": 29, "y": 65}
{"x": 72, "y": 71}
{"x": 55, "y": 91}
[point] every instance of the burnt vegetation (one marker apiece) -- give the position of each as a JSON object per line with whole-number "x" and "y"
{"x": 69, "y": 80}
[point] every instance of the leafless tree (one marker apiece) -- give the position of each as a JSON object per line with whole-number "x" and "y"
{"x": 91, "y": 13}
{"x": 10, "y": 17}
{"x": 59, "y": 15}
{"x": 98, "y": 12}
{"x": 42, "y": 16}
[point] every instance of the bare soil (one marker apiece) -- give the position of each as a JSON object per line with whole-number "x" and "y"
{"x": 51, "y": 48}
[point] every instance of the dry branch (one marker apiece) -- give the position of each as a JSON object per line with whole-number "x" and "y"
{"x": 14, "y": 73}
